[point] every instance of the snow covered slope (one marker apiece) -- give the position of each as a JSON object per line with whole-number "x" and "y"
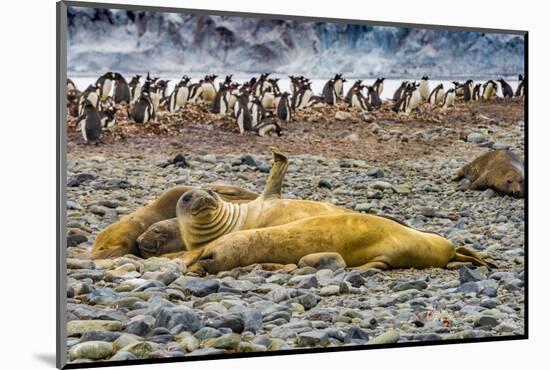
{"x": 170, "y": 43}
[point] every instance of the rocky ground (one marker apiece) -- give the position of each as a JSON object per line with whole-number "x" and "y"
{"x": 130, "y": 308}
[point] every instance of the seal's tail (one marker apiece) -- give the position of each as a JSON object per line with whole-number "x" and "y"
{"x": 464, "y": 254}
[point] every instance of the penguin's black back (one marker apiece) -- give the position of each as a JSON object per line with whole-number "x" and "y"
{"x": 92, "y": 124}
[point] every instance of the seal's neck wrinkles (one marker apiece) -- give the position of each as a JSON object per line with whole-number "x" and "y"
{"x": 226, "y": 218}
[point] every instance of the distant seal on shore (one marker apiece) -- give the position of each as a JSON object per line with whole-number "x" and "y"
{"x": 120, "y": 238}
{"x": 500, "y": 170}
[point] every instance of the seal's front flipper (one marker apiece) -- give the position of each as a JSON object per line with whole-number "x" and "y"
{"x": 274, "y": 184}
{"x": 373, "y": 265}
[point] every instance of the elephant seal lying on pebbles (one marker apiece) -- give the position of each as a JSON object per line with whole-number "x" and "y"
{"x": 222, "y": 235}
{"x": 500, "y": 170}
{"x": 120, "y": 238}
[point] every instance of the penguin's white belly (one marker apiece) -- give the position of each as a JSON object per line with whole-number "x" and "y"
{"x": 231, "y": 101}
{"x": 414, "y": 101}
{"x": 305, "y": 99}
{"x": 268, "y": 101}
{"x": 339, "y": 87}
{"x": 83, "y": 129}
{"x": 208, "y": 92}
{"x": 240, "y": 121}
{"x": 424, "y": 89}
{"x": 181, "y": 96}
{"x": 236, "y": 108}
{"x": 106, "y": 89}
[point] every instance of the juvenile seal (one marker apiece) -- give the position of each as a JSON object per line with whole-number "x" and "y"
{"x": 204, "y": 216}
{"x": 500, "y": 170}
{"x": 120, "y": 238}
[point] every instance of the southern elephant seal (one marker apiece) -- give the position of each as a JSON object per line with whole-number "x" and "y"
{"x": 203, "y": 215}
{"x": 500, "y": 170}
{"x": 363, "y": 240}
{"x": 119, "y": 238}
{"x": 161, "y": 238}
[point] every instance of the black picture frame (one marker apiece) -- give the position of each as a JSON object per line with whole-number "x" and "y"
{"x": 61, "y": 75}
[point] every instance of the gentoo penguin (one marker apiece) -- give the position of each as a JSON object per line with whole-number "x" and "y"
{"x": 105, "y": 83}
{"x": 242, "y": 114}
{"x": 468, "y": 88}
{"x": 90, "y": 123}
{"x": 180, "y": 95}
{"x": 274, "y": 85}
{"x": 284, "y": 112}
{"x": 459, "y": 89}
{"x": 398, "y": 94}
{"x": 379, "y": 86}
{"x": 476, "y": 95}
{"x": 220, "y": 103}
{"x": 208, "y": 88}
{"x": 507, "y": 91}
{"x": 261, "y": 84}
{"x": 358, "y": 100}
{"x": 122, "y": 90}
{"x": 70, "y": 85}
{"x": 436, "y": 96}
{"x": 373, "y": 97}
{"x": 489, "y": 90}
{"x": 231, "y": 95}
{"x": 91, "y": 94}
{"x": 155, "y": 94}
{"x": 257, "y": 111}
{"x": 410, "y": 99}
{"x": 300, "y": 100}
{"x": 330, "y": 96}
{"x": 424, "y": 88}
{"x": 143, "y": 110}
{"x": 135, "y": 88}
{"x": 107, "y": 117}
{"x": 244, "y": 93}
{"x": 268, "y": 127}
{"x": 449, "y": 98}
{"x": 195, "y": 91}
{"x": 294, "y": 84}
{"x": 162, "y": 88}
{"x": 520, "y": 91}
{"x": 72, "y": 102}
{"x": 338, "y": 85}
{"x": 356, "y": 85}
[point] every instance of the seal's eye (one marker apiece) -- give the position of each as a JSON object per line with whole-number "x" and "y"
{"x": 187, "y": 197}
{"x": 210, "y": 191}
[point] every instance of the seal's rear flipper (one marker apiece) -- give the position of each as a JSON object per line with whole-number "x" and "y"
{"x": 274, "y": 184}
{"x": 464, "y": 254}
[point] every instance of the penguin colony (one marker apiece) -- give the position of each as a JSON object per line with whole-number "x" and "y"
{"x": 257, "y": 105}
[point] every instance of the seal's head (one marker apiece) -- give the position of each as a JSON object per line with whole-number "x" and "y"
{"x": 198, "y": 203}
{"x": 513, "y": 183}
{"x": 160, "y": 238}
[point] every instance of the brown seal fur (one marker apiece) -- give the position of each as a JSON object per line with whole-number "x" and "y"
{"x": 500, "y": 170}
{"x": 120, "y": 238}
{"x": 222, "y": 236}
